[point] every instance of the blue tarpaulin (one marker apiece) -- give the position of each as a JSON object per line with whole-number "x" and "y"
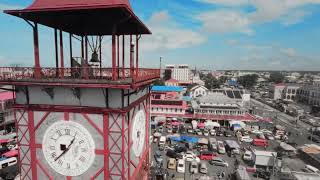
{"x": 189, "y": 139}
{"x": 177, "y": 139}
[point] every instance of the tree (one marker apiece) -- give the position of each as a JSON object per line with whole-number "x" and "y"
{"x": 158, "y": 82}
{"x": 248, "y": 81}
{"x": 211, "y": 82}
{"x": 167, "y": 74}
{"x": 276, "y": 77}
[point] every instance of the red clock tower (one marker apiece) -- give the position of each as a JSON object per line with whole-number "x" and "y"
{"x": 82, "y": 121}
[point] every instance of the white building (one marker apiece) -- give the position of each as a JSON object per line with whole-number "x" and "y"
{"x": 179, "y": 72}
{"x": 309, "y": 94}
{"x": 198, "y": 91}
{"x": 286, "y": 92}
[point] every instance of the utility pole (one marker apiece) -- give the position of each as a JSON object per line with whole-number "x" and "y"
{"x": 160, "y": 66}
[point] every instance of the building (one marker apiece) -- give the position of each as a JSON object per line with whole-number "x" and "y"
{"x": 198, "y": 90}
{"x": 286, "y": 92}
{"x": 6, "y": 111}
{"x": 171, "y": 82}
{"x": 180, "y": 72}
{"x": 167, "y": 100}
{"x": 86, "y": 121}
{"x": 309, "y": 94}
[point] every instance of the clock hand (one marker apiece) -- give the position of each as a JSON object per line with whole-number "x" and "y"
{"x": 66, "y": 150}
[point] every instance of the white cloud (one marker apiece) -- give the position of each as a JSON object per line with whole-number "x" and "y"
{"x": 226, "y": 2}
{"x": 231, "y": 19}
{"x": 222, "y": 21}
{"x": 290, "y": 52}
{"x": 167, "y": 34}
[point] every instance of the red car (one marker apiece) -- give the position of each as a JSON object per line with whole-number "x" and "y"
{"x": 207, "y": 155}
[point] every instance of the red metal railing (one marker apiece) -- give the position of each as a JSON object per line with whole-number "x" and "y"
{"x": 29, "y": 73}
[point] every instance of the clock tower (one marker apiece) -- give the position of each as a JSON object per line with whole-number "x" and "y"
{"x": 81, "y": 119}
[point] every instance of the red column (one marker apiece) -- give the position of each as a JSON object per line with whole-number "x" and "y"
{"x": 137, "y": 55}
{"x": 122, "y": 147}
{"x": 118, "y": 57}
{"x": 123, "y": 54}
{"x": 129, "y": 146}
{"x": 37, "y": 71}
{"x": 131, "y": 58}
{"x": 56, "y": 51}
{"x": 61, "y": 56}
{"x": 114, "y": 72}
{"x": 33, "y": 150}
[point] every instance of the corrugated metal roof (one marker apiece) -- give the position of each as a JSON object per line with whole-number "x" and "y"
{"x": 167, "y": 88}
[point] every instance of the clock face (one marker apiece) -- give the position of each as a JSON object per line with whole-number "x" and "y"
{"x": 138, "y": 132}
{"x": 68, "y": 148}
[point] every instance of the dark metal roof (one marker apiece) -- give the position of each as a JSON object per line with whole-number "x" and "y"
{"x": 84, "y": 17}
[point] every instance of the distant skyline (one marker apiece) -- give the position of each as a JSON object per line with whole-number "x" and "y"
{"x": 209, "y": 34}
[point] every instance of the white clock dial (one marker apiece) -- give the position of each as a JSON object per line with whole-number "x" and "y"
{"x": 138, "y": 132}
{"x": 68, "y": 148}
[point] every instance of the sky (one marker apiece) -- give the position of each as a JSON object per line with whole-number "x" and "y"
{"x": 207, "y": 34}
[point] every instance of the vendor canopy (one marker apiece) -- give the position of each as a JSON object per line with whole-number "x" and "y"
{"x": 210, "y": 124}
{"x": 85, "y": 17}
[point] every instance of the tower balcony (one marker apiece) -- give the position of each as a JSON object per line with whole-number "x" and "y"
{"x": 78, "y": 76}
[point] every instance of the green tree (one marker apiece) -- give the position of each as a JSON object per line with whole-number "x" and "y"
{"x": 276, "y": 77}
{"x": 167, "y": 74}
{"x": 248, "y": 81}
{"x": 211, "y": 82}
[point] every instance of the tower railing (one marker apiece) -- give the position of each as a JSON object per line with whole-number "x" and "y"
{"x": 78, "y": 73}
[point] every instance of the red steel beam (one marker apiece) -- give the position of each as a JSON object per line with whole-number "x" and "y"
{"x": 33, "y": 150}
{"x": 36, "y": 51}
{"x": 106, "y": 145}
{"x": 122, "y": 147}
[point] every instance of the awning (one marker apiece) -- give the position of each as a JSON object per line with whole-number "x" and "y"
{"x": 210, "y": 124}
{"x": 189, "y": 139}
{"x": 176, "y": 123}
{"x": 11, "y": 153}
{"x": 201, "y": 125}
{"x": 203, "y": 141}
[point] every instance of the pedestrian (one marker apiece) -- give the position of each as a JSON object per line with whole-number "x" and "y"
{"x": 172, "y": 176}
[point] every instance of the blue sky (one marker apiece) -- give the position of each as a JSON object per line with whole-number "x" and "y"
{"x": 209, "y": 34}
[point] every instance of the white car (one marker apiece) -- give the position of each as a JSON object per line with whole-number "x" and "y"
{"x": 266, "y": 131}
{"x": 181, "y": 166}
{"x": 190, "y": 130}
{"x": 212, "y": 132}
{"x": 190, "y": 156}
{"x": 221, "y": 148}
{"x": 269, "y": 137}
{"x": 194, "y": 167}
{"x": 205, "y": 132}
{"x": 198, "y": 132}
{"x": 247, "y": 156}
{"x": 169, "y": 129}
{"x": 247, "y": 139}
{"x": 255, "y": 131}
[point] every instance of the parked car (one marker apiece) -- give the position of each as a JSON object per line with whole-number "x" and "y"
{"x": 189, "y": 156}
{"x": 190, "y": 130}
{"x": 247, "y": 156}
{"x": 172, "y": 163}
{"x": 226, "y": 134}
{"x": 219, "y": 133}
{"x": 158, "y": 157}
{"x": 247, "y": 139}
{"x": 169, "y": 129}
{"x": 212, "y": 132}
{"x": 213, "y": 144}
{"x": 160, "y": 129}
{"x": 260, "y": 142}
{"x": 203, "y": 168}
{"x": 181, "y": 166}
{"x": 266, "y": 131}
{"x": 315, "y": 139}
{"x": 194, "y": 167}
{"x": 269, "y": 137}
{"x": 198, "y": 132}
{"x": 219, "y": 162}
{"x": 311, "y": 169}
{"x": 261, "y": 136}
{"x": 221, "y": 148}
{"x": 180, "y": 149}
{"x": 255, "y": 131}
{"x": 173, "y": 154}
{"x": 205, "y": 132}
{"x": 207, "y": 155}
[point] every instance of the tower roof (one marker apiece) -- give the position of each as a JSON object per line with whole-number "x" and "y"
{"x": 84, "y": 17}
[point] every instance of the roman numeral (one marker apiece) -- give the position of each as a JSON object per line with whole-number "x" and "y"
{"x": 53, "y": 155}
{"x": 68, "y": 165}
{"x": 82, "y": 159}
{"x": 60, "y": 162}
{"x": 67, "y": 131}
{"x": 82, "y": 141}
{"x": 52, "y": 148}
{"x": 53, "y": 138}
{"x": 59, "y": 132}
